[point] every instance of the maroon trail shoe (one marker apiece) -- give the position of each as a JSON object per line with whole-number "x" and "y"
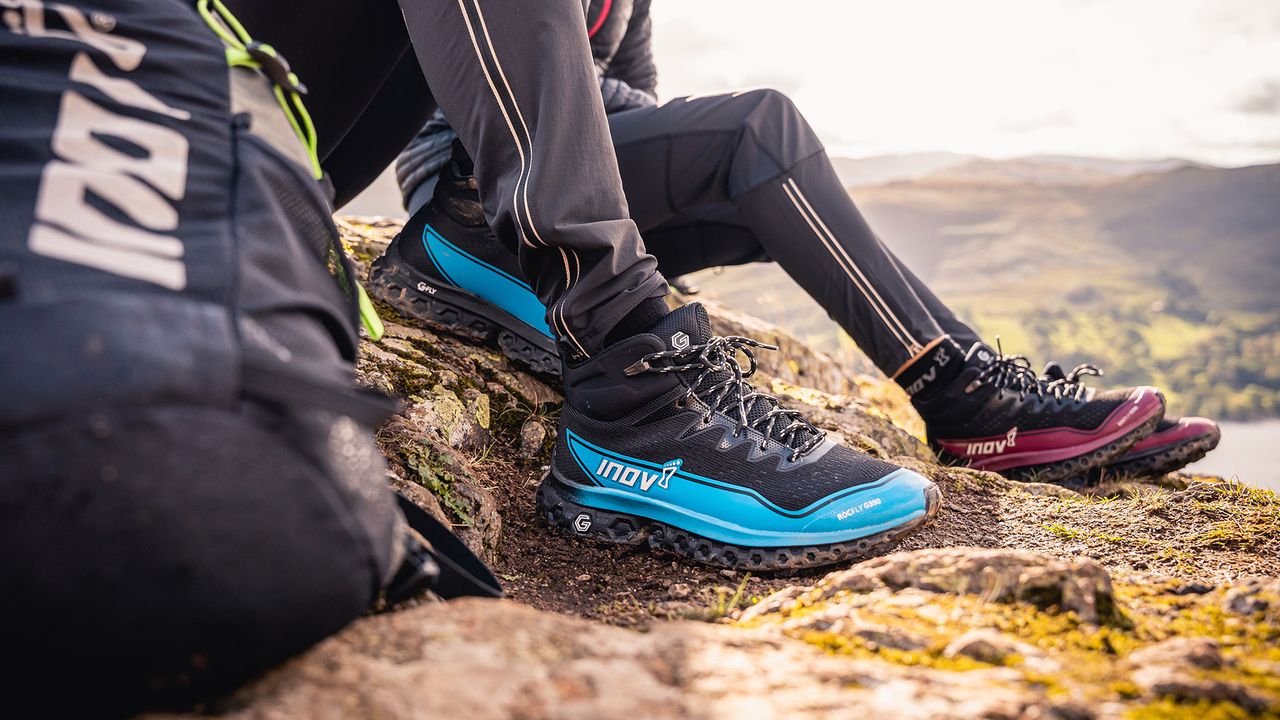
{"x": 998, "y": 415}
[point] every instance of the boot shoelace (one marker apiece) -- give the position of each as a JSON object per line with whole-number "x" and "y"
{"x": 1014, "y": 373}
{"x": 726, "y": 390}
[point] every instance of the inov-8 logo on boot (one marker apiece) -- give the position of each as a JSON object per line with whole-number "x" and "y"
{"x": 630, "y": 475}
{"x": 993, "y": 447}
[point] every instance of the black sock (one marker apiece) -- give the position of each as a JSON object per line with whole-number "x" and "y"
{"x": 462, "y": 163}
{"x": 642, "y": 318}
{"x": 933, "y": 370}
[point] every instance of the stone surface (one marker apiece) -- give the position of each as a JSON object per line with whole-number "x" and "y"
{"x": 495, "y": 659}
{"x": 1081, "y": 585}
{"x": 991, "y": 647}
{"x": 1202, "y": 653}
{"x": 1255, "y": 595}
{"x": 533, "y": 436}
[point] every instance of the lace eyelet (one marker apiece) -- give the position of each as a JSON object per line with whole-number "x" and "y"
{"x": 763, "y": 447}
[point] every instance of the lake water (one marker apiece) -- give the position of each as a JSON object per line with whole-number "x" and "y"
{"x": 1249, "y": 451}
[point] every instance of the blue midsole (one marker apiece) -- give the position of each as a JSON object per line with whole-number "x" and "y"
{"x": 902, "y": 496}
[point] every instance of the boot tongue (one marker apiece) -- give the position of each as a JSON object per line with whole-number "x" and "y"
{"x": 689, "y": 325}
{"x": 685, "y": 326}
{"x": 1053, "y": 371}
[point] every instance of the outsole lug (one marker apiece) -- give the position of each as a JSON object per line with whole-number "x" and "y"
{"x": 1153, "y": 464}
{"x": 391, "y": 283}
{"x": 565, "y": 516}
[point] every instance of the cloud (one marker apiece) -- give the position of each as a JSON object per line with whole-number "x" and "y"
{"x": 1265, "y": 100}
{"x": 1046, "y": 121}
{"x": 1118, "y": 78}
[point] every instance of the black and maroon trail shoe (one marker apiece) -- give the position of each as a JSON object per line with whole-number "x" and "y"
{"x": 998, "y": 415}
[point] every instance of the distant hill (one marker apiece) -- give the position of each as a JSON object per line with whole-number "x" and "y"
{"x": 1040, "y": 169}
{"x": 890, "y": 168}
{"x": 1055, "y": 170}
{"x": 1162, "y": 271}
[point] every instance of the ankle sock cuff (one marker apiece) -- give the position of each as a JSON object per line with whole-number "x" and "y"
{"x": 933, "y": 370}
{"x": 641, "y": 319}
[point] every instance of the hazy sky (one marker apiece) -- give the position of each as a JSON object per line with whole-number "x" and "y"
{"x": 1121, "y": 78}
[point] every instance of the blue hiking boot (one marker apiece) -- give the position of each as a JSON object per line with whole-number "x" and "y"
{"x": 662, "y": 442}
{"x": 447, "y": 269}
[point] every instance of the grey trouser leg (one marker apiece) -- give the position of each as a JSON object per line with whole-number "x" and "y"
{"x": 742, "y": 177}
{"x": 516, "y": 80}
{"x": 716, "y": 235}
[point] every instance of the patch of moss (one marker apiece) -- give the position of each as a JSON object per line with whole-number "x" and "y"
{"x": 1063, "y": 531}
{"x": 1070, "y": 533}
{"x": 440, "y": 481}
{"x": 1167, "y": 709}
{"x": 407, "y": 379}
{"x": 838, "y": 644}
{"x": 1092, "y": 658}
{"x": 1241, "y": 533}
{"x": 482, "y": 410}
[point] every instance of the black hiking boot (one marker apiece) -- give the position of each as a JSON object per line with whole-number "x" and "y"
{"x": 663, "y": 443}
{"x": 447, "y": 269}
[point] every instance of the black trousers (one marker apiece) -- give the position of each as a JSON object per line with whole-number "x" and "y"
{"x": 741, "y": 177}
{"x": 515, "y": 78}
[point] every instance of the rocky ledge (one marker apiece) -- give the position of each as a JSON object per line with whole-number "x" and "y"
{"x": 1136, "y": 600}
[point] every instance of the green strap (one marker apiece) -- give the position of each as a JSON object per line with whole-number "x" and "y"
{"x": 238, "y": 44}
{"x": 369, "y": 314}
{"x": 238, "y": 40}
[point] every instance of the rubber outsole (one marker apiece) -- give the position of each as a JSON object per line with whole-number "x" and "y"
{"x": 461, "y": 314}
{"x": 1063, "y": 469}
{"x": 623, "y": 529}
{"x": 1160, "y": 461}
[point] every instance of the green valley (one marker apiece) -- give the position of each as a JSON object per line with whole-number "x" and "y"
{"x": 1165, "y": 273}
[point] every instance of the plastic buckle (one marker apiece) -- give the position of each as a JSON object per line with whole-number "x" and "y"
{"x": 275, "y": 66}
{"x": 639, "y": 366}
{"x": 418, "y": 572}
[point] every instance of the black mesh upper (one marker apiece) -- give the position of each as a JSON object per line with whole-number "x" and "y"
{"x": 665, "y": 425}
{"x": 475, "y": 241}
{"x": 987, "y": 411}
{"x": 791, "y": 487}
